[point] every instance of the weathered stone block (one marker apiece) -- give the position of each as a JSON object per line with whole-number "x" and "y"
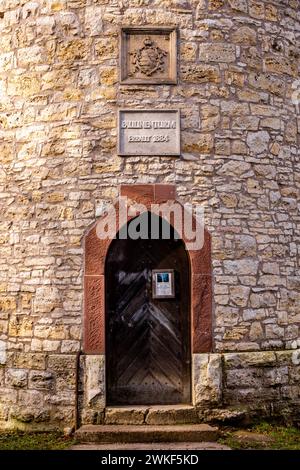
{"x": 7, "y": 304}
{"x": 16, "y": 378}
{"x": 258, "y": 142}
{"x": 172, "y": 415}
{"x": 226, "y": 316}
{"x": 215, "y": 52}
{"x": 241, "y": 267}
{"x": 77, "y": 49}
{"x": 244, "y": 378}
{"x": 246, "y": 246}
{"x": 239, "y": 295}
{"x": 40, "y": 380}
{"x": 93, "y": 20}
{"x": 274, "y": 331}
{"x": 256, "y": 331}
{"x": 30, "y": 55}
{"x": 234, "y": 108}
{"x": 124, "y": 416}
{"x": 276, "y": 376}
{"x": 236, "y": 333}
{"x": 207, "y": 379}
{"x": 199, "y": 73}
{"x": 31, "y": 398}
{"x": 229, "y": 200}
{"x": 263, "y": 299}
{"x": 106, "y": 48}
{"x": 244, "y": 35}
{"x": 234, "y": 168}
{"x": 63, "y": 398}
{"x": 30, "y": 414}
{"x": 50, "y": 346}
{"x": 239, "y": 5}
{"x": 251, "y": 395}
{"x": 296, "y": 357}
{"x": 2, "y": 352}
{"x": 108, "y": 76}
{"x": 197, "y": 143}
{"x": 65, "y": 380}
{"x": 280, "y": 65}
{"x": 188, "y": 51}
{"x": 20, "y": 326}
{"x": 29, "y": 361}
{"x": 61, "y": 362}
{"x": 262, "y": 358}
{"x": 222, "y": 147}
{"x": 94, "y": 387}
{"x": 46, "y": 299}
{"x": 69, "y": 346}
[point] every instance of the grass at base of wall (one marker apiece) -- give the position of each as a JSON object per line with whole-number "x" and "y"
{"x": 20, "y": 440}
{"x": 263, "y": 436}
{"x": 260, "y": 436}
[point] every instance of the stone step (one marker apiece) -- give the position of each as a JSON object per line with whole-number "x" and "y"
{"x": 164, "y": 414}
{"x": 112, "y": 434}
{"x": 152, "y": 446}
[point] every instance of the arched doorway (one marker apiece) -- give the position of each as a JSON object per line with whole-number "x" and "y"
{"x": 148, "y": 327}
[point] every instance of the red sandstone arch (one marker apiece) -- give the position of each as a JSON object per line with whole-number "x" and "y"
{"x": 94, "y": 277}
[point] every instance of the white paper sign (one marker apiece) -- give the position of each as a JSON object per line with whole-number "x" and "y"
{"x": 163, "y": 284}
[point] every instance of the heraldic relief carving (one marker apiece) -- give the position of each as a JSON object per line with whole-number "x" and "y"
{"x": 148, "y": 55}
{"x": 148, "y": 59}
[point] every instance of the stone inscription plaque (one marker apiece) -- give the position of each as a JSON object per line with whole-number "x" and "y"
{"x": 148, "y": 55}
{"x": 148, "y": 132}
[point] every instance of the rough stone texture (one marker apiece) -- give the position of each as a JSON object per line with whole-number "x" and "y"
{"x": 269, "y": 379}
{"x": 59, "y": 166}
{"x": 154, "y": 446}
{"x": 124, "y": 416}
{"x": 171, "y": 415}
{"x": 94, "y": 382}
{"x": 131, "y": 433}
{"x": 207, "y": 379}
{"x": 94, "y": 311}
{"x": 39, "y": 391}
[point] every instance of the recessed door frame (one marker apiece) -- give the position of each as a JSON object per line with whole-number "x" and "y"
{"x": 95, "y": 251}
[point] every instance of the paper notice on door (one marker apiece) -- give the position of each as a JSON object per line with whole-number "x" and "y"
{"x": 163, "y": 284}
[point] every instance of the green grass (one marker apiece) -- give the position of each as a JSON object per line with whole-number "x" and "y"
{"x": 283, "y": 438}
{"x": 19, "y": 440}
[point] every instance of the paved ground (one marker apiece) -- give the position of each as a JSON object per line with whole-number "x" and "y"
{"x": 161, "y": 446}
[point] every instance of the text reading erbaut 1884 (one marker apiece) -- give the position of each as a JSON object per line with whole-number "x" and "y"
{"x": 149, "y": 132}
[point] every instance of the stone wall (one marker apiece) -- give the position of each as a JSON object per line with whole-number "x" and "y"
{"x": 228, "y": 387}
{"x": 59, "y": 90}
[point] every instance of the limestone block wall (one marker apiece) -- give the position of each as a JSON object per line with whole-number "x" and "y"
{"x": 59, "y": 92}
{"x": 226, "y": 386}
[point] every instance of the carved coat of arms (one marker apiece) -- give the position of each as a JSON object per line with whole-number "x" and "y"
{"x": 149, "y": 58}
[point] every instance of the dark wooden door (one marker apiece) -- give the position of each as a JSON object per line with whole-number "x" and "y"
{"x": 147, "y": 339}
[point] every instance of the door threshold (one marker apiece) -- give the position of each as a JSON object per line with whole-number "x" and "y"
{"x": 151, "y": 414}
{"x": 148, "y": 407}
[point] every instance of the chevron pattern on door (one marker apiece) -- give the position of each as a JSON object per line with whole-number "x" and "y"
{"x": 147, "y": 340}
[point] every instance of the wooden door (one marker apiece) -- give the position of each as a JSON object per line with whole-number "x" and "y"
{"x": 147, "y": 339}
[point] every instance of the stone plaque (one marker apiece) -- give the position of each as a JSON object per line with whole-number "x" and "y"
{"x": 148, "y": 55}
{"x": 149, "y": 132}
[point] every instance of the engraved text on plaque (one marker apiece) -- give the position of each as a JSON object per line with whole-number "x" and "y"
{"x": 149, "y": 132}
